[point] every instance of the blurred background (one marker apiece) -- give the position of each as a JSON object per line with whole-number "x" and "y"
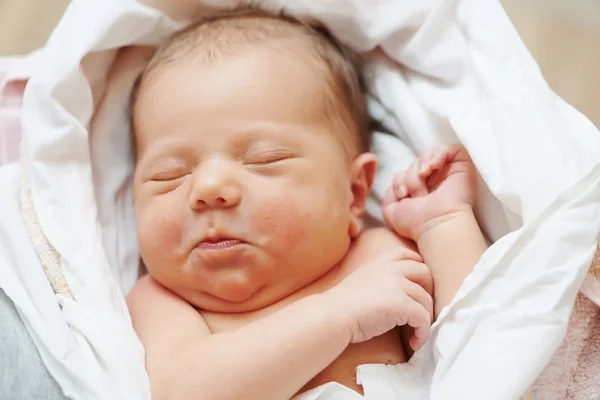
{"x": 562, "y": 35}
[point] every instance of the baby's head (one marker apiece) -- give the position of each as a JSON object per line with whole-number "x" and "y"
{"x": 252, "y": 163}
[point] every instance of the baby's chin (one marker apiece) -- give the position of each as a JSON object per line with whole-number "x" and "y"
{"x": 239, "y": 299}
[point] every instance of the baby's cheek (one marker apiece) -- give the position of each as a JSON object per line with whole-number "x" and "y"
{"x": 160, "y": 233}
{"x": 282, "y": 221}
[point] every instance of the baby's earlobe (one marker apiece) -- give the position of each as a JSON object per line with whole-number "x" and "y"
{"x": 355, "y": 227}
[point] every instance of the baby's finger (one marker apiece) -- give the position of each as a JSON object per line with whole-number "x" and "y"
{"x": 415, "y": 178}
{"x": 436, "y": 157}
{"x": 418, "y": 318}
{"x": 403, "y": 259}
{"x": 395, "y": 214}
{"x": 389, "y": 197}
{"x": 456, "y": 152}
{"x": 416, "y": 342}
{"x": 420, "y": 295}
{"x": 415, "y": 271}
{"x": 399, "y": 185}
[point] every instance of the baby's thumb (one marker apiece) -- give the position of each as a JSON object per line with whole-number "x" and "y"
{"x": 389, "y": 197}
{"x": 392, "y": 214}
{"x": 399, "y": 214}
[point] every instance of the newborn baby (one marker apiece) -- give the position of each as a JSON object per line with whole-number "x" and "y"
{"x": 252, "y": 173}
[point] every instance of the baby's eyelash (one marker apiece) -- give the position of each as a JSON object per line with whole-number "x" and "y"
{"x": 266, "y": 157}
{"x": 168, "y": 176}
{"x": 169, "y": 170}
{"x": 163, "y": 183}
{"x": 268, "y": 160}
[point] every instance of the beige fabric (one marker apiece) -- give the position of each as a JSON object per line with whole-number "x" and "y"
{"x": 574, "y": 369}
{"x": 564, "y": 38}
{"x": 47, "y": 255}
{"x": 26, "y": 24}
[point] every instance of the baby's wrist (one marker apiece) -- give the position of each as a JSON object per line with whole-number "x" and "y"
{"x": 429, "y": 229}
{"x": 339, "y": 318}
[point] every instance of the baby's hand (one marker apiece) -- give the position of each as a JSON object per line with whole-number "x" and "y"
{"x": 391, "y": 291}
{"x": 440, "y": 183}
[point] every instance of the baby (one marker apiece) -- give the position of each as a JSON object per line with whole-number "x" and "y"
{"x": 252, "y": 173}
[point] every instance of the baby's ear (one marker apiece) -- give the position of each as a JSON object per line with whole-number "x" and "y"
{"x": 362, "y": 174}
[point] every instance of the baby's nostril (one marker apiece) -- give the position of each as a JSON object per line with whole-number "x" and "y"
{"x": 220, "y": 200}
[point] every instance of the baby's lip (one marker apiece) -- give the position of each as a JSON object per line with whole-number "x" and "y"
{"x": 218, "y": 244}
{"x": 219, "y": 239}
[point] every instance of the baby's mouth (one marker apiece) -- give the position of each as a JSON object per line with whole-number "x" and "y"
{"x": 218, "y": 244}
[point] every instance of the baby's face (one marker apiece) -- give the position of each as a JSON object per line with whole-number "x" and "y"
{"x": 243, "y": 192}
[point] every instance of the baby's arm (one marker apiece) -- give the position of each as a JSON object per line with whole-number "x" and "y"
{"x": 274, "y": 357}
{"x": 268, "y": 359}
{"x": 451, "y": 249}
{"x": 432, "y": 204}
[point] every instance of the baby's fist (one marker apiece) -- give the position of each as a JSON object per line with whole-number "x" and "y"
{"x": 440, "y": 183}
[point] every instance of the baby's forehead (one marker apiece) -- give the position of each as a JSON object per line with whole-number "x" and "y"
{"x": 216, "y": 38}
{"x": 257, "y": 92}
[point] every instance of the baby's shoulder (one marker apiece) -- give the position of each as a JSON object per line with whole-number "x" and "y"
{"x": 372, "y": 243}
{"x": 144, "y": 288}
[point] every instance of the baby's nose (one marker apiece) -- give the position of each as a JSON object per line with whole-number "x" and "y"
{"x": 215, "y": 190}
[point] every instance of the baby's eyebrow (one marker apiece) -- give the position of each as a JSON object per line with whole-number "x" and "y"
{"x": 162, "y": 150}
{"x": 273, "y": 130}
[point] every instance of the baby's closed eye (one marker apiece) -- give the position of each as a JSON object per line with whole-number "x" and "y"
{"x": 266, "y": 160}
{"x": 266, "y": 157}
{"x": 169, "y": 175}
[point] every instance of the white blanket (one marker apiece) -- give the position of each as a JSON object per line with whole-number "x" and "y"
{"x": 443, "y": 71}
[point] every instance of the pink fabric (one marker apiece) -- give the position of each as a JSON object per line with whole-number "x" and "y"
{"x": 574, "y": 371}
{"x": 14, "y": 74}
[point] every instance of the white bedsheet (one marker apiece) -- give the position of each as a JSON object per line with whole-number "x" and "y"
{"x": 443, "y": 71}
